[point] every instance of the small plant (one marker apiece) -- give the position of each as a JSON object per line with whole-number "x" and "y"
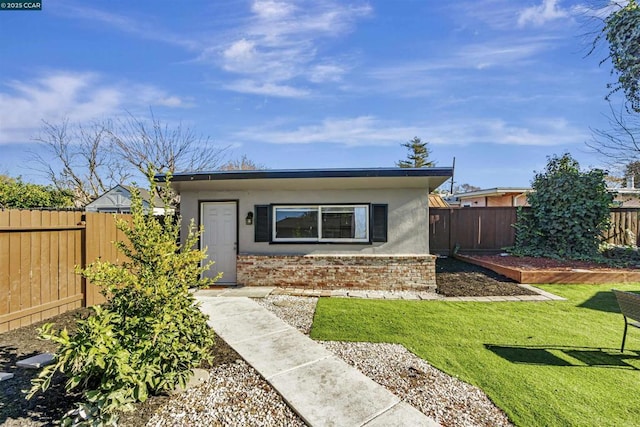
{"x": 150, "y": 335}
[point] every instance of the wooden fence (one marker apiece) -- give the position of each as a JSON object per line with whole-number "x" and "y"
{"x": 490, "y": 229}
{"x": 39, "y": 252}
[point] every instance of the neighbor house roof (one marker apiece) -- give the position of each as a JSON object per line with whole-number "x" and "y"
{"x": 427, "y": 178}
{"x": 109, "y": 198}
{"x": 498, "y": 191}
{"x": 436, "y": 201}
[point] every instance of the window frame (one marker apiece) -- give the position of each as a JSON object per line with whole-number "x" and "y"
{"x": 320, "y": 239}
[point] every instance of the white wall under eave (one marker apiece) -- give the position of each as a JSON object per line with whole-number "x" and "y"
{"x": 408, "y": 218}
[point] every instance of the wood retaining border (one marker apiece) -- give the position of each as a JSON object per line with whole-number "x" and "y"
{"x": 550, "y": 276}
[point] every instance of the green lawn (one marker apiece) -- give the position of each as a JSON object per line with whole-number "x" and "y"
{"x": 544, "y": 363}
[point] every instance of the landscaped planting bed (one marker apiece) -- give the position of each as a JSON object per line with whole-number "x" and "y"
{"x": 534, "y": 270}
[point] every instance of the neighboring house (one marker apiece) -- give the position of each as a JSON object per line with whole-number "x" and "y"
{"x": 118, "y": 200}
{"x": 501, "y": 196}
{"x": 626, "y": 197}
{"x": 322, "y": 228}
{"x": 510, "y": 196}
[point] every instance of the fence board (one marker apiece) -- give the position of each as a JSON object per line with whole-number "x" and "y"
{"x": 39, "y": 251}
{"x": 5, "y": 289}
{"x": 54, "y": 259}
{"x": 35, "y": 263}
{"x": 25, "y": 267}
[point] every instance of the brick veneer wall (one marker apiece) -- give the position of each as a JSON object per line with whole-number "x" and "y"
{"x": 386, "y": 272}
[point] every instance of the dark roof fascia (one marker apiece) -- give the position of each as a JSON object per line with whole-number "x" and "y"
{"x": 307, "y": 173}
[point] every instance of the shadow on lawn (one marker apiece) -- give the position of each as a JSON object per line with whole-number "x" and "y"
{"x": 602, "y": 301}
{"x": 567, "y": 356}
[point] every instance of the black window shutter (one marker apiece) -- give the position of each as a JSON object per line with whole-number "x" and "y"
{"x": 379, "y": 223}
{"x": 262, "y": 223}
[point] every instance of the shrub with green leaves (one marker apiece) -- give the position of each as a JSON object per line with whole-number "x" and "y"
{"x": 149, "y": 335}
{"x": 569, "y": 212}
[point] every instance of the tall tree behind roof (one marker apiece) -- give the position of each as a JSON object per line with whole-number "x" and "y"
{"x": 417, "y": 156}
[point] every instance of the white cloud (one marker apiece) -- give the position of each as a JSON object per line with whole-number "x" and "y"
{"x": 269, "y": 9}
{"x": 267, "y": 89}
{"x": 371, "y": 131}
{"x": 541, "y": 14}
{"x": 240, "y": 52}
{"x": 326, "y": 73}
{"x": 280, "y": 44}
{"x": 80, "y": 97}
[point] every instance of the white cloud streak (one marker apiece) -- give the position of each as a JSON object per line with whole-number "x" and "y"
{"x": 129, "y": 25}
{"x": 371, "y": 131}
{"x": 80, "y": 97}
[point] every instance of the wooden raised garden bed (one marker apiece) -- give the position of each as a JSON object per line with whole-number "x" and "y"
{"x": 543, "y": 270}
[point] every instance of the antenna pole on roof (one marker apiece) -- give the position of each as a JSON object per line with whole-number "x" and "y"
{"x": 453, "y": 171}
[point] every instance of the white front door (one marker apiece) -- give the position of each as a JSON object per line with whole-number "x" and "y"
{"x": 220, "y": 238}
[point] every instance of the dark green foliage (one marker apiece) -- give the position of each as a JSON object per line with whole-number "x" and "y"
{"x": 149, "y": 336}
{"x": 622, "y": 31}
{"x": 22, "y": 195}
{"x": 569, "y": 212}
{"x": 418, "y": 156}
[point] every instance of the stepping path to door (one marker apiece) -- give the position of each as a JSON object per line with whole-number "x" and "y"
{"x": 319, "y": 386}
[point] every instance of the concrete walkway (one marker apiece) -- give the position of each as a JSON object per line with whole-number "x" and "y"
{"x": 319, "y": 386}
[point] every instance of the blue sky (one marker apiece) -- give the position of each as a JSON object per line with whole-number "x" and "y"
{"x": 499, "y": 84}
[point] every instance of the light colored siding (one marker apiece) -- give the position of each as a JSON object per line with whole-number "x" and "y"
{"x": 407, "y": 219}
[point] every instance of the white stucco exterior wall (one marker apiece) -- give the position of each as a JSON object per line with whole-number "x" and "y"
{"x": 407, "y": 227}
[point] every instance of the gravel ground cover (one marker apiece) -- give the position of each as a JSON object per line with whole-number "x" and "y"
{"x": 236, "y": 395}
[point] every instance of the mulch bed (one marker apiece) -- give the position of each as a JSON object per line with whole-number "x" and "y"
{"x": 460, "y": 279}
{"x": 454, "y": 278}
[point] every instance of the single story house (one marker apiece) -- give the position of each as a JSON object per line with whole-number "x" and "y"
{"x": 318, "y": 228}
{"x": 118, "y": 200}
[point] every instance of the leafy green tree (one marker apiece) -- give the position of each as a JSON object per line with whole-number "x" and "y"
{"x": 149, "y": 336}
{"x": 622, "y": 32}
{"x": 418, "y": 156}
{"x": 569, "y": 212}
{"x": 14, "y": 193}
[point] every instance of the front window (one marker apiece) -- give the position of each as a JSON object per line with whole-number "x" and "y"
{"x": 323, "y": 223}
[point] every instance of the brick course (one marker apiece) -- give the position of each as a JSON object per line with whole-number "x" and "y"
{"x": 382, "y": 272}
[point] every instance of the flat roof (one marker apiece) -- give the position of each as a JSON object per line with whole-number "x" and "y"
{"x": 219, "y": 175}
{"x": 310, "y": 179}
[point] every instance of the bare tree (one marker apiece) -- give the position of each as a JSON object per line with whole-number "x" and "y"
{"x": 79, "y": 159}
{"x": 91, "y": 159}
{"x": 620, "y": 144}
{"x": 151, "y": 144}
{"x": 243, "y": 163}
